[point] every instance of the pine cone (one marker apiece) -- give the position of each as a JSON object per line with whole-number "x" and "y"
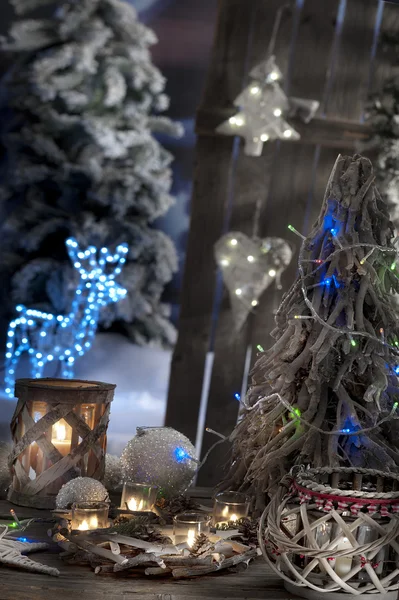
{"x": 201, "y": 544}
{"x": 248, "y": 531}
{"x": 175, "y": 506}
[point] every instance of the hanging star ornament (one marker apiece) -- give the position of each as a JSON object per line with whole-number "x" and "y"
{"x": 263, "y": 107}
{"x": 248, "y": 267}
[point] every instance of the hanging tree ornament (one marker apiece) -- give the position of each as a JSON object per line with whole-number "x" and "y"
{"x": 249, "y": 266}
{"x": 263, "y": 107}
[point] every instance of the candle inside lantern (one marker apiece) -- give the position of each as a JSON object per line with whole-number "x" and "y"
{"x": 187, "y": 526}
{"x": 343, "y": 564}
{"x": 89, "y": 515}
{"x": 229, "y": 507}
{"x": 61, "y": 436}
{"x": 138, "y": 497}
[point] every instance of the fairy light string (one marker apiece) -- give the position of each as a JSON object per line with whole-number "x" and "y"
{"x": 350, "y": 333}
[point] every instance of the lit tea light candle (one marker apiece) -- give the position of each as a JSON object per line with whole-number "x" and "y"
{"x": 190, "y": 538}
{"x": 89, "y": 515}
{"x": 138, "y": 497}
{"x": 61, "y": 436}
{"x": 135, "y": 505}
{"x": 343, "y": 564}
{"x": 230, "y": 507}
{"x": 187, "y": 526}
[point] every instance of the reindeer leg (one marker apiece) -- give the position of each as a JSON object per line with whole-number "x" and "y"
{"x": 13, "y": 352}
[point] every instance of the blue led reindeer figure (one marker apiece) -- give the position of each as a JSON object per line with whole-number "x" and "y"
{"x": 47, "y": 337}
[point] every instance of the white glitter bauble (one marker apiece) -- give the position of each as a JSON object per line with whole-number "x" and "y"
{"x": 81, "y": 489}
{"x": 5, "y": 475}
{"x": 113, "y": 472}
{"x": 160, "y": 456}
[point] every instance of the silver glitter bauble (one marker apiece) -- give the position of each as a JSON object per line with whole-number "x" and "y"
{"x": 81, "y": 489}
{"x": 113, "y": 472}
{"x": 160, "y": 456}
{"x": 5, "y": 475}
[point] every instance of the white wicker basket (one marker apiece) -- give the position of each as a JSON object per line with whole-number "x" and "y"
{"x": 335, "y": 531}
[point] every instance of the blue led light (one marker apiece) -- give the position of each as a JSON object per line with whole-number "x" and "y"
{"x": 237, "y": 396}
{"x": 48, "y": 337}
{"x": 22, "y": 539}
{"x": 396, "y": 369}
{"x": 180, "y": 454}
{"x": 334, "y": 231}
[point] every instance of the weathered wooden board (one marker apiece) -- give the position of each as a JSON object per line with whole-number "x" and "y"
{"x": 210, "y": 199}
{"x": 351, "y": 70}
{"x": 385, "y": 63}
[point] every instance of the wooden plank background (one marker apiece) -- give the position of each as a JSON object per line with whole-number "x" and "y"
{"x": 330, "y": 51}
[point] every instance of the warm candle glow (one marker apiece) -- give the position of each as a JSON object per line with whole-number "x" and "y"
{"x": 60, "y": 432}
{"x": 190, "y": 538}
{"x": 134, "y": 505}
{"x": 84, "y": 526}
{"x": 225, "y": 511}
{"x": 234, "y": 518}
{"x": 93, "y": 523}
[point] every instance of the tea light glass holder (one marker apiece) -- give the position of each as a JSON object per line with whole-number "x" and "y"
{"x": 89, "y": 515}
{"x": 138, "y": 497}
{"x": 229, "y": 507}
{"x": 187, "y": 526}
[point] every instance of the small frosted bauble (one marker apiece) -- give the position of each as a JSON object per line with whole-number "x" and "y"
{"x": 113, "y": 472}
{"x": 160, "y": 456}
{"x": 5, "y": 475}
{"x": 81, "y": 489}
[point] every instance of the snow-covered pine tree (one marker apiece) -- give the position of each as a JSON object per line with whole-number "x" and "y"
{"x": 327, "y": 393}
{"x": 81, "y": 158}
{"x": 384, "y": 120}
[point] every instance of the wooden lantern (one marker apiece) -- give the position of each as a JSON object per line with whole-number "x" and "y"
{"x": 59, "y": 432}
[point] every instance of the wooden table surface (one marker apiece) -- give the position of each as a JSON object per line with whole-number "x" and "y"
{"x": 80, "y": 583}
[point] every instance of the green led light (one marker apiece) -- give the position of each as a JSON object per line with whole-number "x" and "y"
{"x": 393, "y": 266}
{"x": 395, "y": 406}
{"x": 260, "y": 348}
{"x": 353, "y": 343}
{"x": 295, "y": 413}
{"x": 396, "y": 343}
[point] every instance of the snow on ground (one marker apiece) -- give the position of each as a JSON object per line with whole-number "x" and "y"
{"x": 141, "y": 376}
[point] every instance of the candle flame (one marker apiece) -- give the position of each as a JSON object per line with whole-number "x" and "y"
{"x": 84, "y": 526}
{"x": 60, "y": 432}
{"x": 190, "y": 538}
{"x": 234, "y": 518}
{"x": 134, "y": 505}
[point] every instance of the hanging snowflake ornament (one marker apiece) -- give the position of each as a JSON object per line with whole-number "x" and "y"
{"x": 248, "y": 267}
{"x": 160, "y": 456}
{"x": 263, "y": 107}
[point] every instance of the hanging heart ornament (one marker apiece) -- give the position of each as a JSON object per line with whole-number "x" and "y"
{"x": 248, "y": 267}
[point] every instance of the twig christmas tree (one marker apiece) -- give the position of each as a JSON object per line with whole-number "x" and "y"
{"x": 326, "y": 393}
